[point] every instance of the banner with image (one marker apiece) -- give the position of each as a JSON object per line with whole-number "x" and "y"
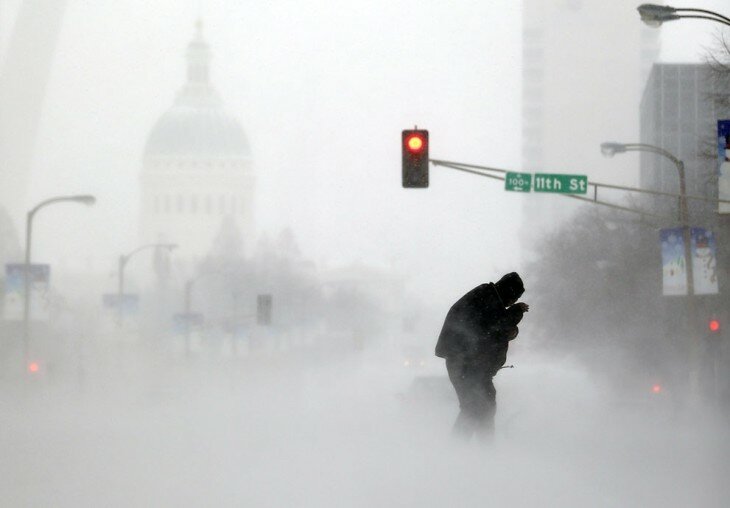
{"x": 674, "y": 270}
{"x": 704, "y": 262}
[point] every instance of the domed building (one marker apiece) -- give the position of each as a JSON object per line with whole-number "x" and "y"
{"x": 197, "y": 167}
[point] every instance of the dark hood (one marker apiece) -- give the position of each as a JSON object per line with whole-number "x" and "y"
{"x": 510, "y": 288}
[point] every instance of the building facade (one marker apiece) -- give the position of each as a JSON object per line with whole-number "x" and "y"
{"x": 197, "y": 175}
{"x": 584, "y": 67}
{"x": 678, "y": 113}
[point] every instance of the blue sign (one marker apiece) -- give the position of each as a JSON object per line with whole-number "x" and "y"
{"x": 723, "y": 170}
{"x": 38, "y": 281}
{"x": 181, "y": 322}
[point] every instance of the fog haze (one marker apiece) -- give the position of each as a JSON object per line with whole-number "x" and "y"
{"x": 338, "y": 399}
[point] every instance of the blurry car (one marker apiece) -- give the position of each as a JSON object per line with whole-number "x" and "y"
{"x": 414, "y": 358}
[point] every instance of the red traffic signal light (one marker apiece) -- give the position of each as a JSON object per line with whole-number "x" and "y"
{"x": 714, "y": 325}
{"x": 33, "y": 367}
{"x": 414, "y": 145}
{"x": 415, "y": 142}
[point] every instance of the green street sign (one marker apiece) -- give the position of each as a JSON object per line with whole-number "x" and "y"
{"x": 563, "y": 184}
{"x": 518, "y": 182}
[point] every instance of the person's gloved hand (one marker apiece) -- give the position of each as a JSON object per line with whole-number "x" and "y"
{"x": 522, "y": 306}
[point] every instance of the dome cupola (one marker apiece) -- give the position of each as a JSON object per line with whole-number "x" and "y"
{"x": 197, "y": 125}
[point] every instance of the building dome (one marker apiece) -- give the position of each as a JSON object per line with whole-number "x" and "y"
{"x": 197, "y": 125}
{"x": 185, "y": 131}
{"x": 197, "y": 168}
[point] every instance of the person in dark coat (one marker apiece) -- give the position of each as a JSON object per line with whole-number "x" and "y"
{"x": 474, "y": 341}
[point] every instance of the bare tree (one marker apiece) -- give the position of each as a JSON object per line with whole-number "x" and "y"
{"x": 718, "y": 61}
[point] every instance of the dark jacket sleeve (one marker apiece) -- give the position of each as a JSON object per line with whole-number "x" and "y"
{"x": 509, "y": 319}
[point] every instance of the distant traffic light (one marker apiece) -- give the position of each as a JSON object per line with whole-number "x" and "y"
{"x": 415, "y": 158}
{"x": 263, "y": 309}
{"x": 33, "y": 367}
{"x": 714, "y": 325}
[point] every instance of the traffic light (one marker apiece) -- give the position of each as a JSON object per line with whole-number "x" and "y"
{"x": 414, "y": 144}
{"x": 263, "y": 309}
{"x": 714, "y": 325}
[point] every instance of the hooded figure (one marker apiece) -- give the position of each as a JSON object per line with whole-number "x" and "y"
{"x": 474, "y": 341}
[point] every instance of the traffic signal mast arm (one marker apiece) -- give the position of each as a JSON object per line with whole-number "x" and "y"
{"x": 480, "y": 171}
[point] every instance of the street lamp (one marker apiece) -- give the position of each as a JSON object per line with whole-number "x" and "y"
{"x": 608, "y": 150}
{"x": 84, "y": 199}
{"x": 124, "y": 259}
{"x": 654, "y": 15}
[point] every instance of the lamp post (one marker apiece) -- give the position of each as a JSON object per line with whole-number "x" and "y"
{"x": 84, "y": 199}
{"x": 654, "y": 15}
{"x": 123, "y": 260}
{"x": 608, "y": 150}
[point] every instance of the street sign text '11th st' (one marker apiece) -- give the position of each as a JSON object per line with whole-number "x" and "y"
{"x": 564, "y": 184}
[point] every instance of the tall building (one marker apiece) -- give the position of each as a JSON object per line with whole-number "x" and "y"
{"x": 679, "y": 115}
{"x": 584, "y": 66}
{"x": 197, "y": 176}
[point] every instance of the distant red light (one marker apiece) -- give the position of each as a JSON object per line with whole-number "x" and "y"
{"x": 714, "y": 325}
{"x": 415, "y": 143}
{"x": 33, "y": 367}
{"x": 656, "y": 388}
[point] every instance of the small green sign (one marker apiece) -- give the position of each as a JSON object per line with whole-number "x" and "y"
{"x": 518, "y": 182}
{"x": 563, "y": 184}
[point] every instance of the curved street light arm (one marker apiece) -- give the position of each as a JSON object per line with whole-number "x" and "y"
{"x": 710, "y": 14}
{"x": 86, "y": 199}
{"x": 168, "y": 246}
{"x": 643, "y": 147}
{"x": 706, "y": 17}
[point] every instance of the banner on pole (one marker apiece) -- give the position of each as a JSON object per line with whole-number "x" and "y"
{"x": 723, "y": 154}
{"x": 704, "y": 262}
{"x": 674, "y": 270}
{"x": 39, "y": 277}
